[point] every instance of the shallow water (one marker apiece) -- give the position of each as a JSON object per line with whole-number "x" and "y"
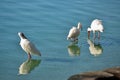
{"x": 47, "y": 23}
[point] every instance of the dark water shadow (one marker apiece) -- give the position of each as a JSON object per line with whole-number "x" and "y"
{"x": 27, "y": 66}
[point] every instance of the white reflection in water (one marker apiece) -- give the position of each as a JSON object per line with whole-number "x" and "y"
{"x": 27, "y": 66}
{"x": 74, "y": 50}
{"x": 95, "y": 49}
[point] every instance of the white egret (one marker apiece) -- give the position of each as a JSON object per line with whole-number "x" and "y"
{"x": 28, "y": 46}
{"x": 96, "y": 26}
{"x": 74, "y": 32}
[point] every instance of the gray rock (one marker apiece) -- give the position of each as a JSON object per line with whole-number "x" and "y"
{"x": 115, "y": 71}
{"x": 107, "y": 74}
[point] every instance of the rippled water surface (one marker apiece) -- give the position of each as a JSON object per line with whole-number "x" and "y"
{"x": 46, "y": 23}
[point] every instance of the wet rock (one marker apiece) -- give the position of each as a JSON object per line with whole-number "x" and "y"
{"x": 114, "y": 71}
{"x": 108, "y": 74}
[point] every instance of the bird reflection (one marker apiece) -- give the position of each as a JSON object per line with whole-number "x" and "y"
{"x": 74, "y": 50}
{"x": 27, "y": 66}
{"x": 95, "y": 49}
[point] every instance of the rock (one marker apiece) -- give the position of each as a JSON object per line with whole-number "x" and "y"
{"x": 115, "y": 71}
{"x": 108, "y": 74}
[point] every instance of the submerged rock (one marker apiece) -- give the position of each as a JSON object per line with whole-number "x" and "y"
{"x": 107, "y": 74}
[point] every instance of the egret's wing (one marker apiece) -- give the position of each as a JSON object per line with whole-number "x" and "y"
{"x": 32, "y": 48}
{"x": 72, "y": 32}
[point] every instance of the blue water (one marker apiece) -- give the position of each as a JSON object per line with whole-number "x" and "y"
{"x": 46, "y": 23}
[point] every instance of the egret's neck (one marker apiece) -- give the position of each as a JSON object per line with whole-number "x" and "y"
{"x": 22, "y": 36}
{"x": 79, "y": 26}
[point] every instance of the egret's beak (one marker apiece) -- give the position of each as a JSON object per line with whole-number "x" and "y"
{"x": 88, "y": 34}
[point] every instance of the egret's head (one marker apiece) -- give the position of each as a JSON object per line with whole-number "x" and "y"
{"x": 79, "y": 26}
{"x": 21, "y": 35}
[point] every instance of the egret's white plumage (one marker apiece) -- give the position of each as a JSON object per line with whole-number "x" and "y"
{"x": 74, "y": 32}
{"x": 28, "y": 46}
{"x": 96, "y": 26}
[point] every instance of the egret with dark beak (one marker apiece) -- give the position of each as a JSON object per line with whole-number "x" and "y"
{"x": 96, "y": 26}
{"x": 28, "y": 46}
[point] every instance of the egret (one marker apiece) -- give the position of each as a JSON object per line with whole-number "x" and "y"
{"x": 74, "y": 32}
{"x": 96, "y": 26}
{"x": 28, "y": 46}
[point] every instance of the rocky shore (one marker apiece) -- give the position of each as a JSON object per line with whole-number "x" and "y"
{"x": 107, "y": 74}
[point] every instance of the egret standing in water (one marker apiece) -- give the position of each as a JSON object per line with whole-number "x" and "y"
{"x": 74, "y": 33}
{"x": 96, "y": 26}
{"x": 28, "y": 46}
